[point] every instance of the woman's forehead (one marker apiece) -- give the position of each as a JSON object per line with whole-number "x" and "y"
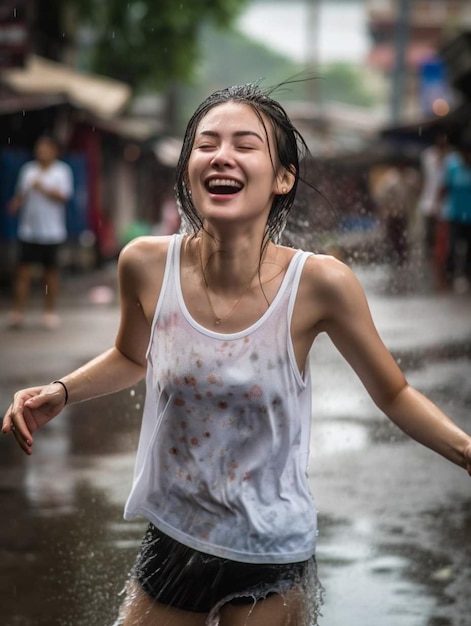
{"x": 233, "y": 117}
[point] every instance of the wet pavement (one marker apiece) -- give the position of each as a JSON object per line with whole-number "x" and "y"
{"x": 394, "y": 544}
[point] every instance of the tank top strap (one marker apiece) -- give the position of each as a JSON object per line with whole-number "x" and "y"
{"x": 297, "y": 266}
{"x": 172, "y": 265}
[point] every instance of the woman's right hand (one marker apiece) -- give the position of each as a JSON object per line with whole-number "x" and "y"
{"x": 32, "y": 408}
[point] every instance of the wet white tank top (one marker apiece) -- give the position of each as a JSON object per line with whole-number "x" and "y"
{"x": 224, "y": 445}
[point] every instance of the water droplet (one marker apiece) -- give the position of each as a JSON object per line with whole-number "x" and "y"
{"x": 443, "y": 574}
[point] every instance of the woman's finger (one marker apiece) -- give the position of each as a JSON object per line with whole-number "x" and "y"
{"x": 14, "y": 423}
{"x": 7, "y": 423}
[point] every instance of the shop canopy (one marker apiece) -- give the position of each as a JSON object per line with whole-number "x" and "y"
{"x": 99, "y": 95}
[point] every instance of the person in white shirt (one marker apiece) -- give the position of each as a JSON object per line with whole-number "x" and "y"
{"x": 43, "y": 189}
{"x": 220, "y": 319}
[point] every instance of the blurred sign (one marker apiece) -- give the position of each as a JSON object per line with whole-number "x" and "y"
{"x": 434, "y": 86}
{"x": 14, "y": 32}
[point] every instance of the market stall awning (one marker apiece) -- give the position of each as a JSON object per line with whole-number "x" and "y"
{"x": 101, "y": 96}
{"x": 454, "y": 124}
{"x": 14, "y": 102}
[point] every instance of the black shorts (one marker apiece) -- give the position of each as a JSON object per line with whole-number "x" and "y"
{"x": 45, "y": 254}
{"x": 181, "y": 577}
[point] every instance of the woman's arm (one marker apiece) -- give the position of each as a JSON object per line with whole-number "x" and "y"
{"x": 348, "y": 322}
{"x": 117, "y": 368}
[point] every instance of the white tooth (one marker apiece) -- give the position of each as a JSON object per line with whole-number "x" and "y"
{"x": 224, "y": 182}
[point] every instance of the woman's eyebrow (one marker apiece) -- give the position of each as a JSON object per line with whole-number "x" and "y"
{"x": 237, "y": 133}
{"x": 244, "y": 133}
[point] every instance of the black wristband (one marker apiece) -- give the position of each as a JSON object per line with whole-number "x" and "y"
{"x": 59, "y": 382}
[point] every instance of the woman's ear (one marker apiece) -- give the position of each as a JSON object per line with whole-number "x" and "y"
{"x": 284, "y": 181}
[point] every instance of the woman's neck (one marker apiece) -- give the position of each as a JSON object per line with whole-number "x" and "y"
{"x": 228, "y": 264}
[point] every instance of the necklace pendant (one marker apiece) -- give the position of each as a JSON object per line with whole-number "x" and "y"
{"x": 217, "y": 321}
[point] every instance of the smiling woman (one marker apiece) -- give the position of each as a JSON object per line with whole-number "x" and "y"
{"x": 285, "y": 148}
{"x": 221, "y": 467}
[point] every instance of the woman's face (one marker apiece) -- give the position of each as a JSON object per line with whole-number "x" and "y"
{"x": 231, "y": 169}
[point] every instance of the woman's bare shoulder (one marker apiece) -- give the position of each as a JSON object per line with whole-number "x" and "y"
{"x": 144, "y": 253}
{"x": 331, "y": 281}
{"x": 145, "y": 249}
{"x": 322, "y": 272}
{"x": 141, "y": 264}
{"x": 328, "y": 271}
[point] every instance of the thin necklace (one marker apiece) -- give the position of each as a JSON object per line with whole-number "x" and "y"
{"x": 218, "y": 319}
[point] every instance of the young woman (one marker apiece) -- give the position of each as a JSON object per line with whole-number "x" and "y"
{"x": 221, "y": 320}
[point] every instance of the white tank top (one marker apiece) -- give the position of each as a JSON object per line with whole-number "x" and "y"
{"x": 224, "y": 445}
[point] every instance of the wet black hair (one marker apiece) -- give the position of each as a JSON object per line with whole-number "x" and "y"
{"x": 290, "y": 150}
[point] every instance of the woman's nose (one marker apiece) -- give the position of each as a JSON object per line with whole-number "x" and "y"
{"x": 223, "y": 156}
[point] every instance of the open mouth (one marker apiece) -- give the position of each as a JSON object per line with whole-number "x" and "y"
{"x": 223, "y": 186}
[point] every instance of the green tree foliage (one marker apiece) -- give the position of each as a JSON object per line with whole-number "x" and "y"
{"x": 151, "y": 43}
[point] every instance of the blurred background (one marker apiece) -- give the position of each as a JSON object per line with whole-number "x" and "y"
{"x": 116, "y": 81}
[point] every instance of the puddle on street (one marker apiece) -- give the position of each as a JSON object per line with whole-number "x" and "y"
{"x": 397, "y": 576}
{"x": 335, "y": 436}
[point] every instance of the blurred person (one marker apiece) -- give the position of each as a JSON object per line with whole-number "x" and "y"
{"x": 44, "y": 186}
{"x": 430, "y": 202}
{"x": 396, "y": 196}
{"x": 457, "y": 187}
{"x": 444, "y": 245}
{"x": 220, "y": 320}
